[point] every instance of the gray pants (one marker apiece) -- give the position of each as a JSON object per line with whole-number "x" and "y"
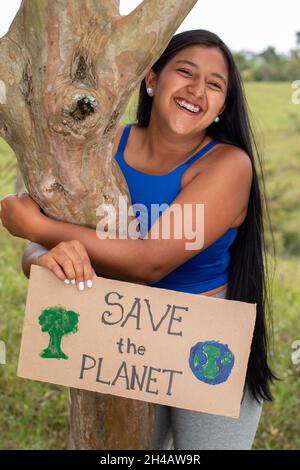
{"x": 193, "y": 430}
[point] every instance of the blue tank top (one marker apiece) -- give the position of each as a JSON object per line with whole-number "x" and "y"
{"x": 206, "y": 270}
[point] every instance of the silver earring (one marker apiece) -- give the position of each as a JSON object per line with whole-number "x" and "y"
{"x": 149, "y": 91}
{"x": 217, "y": 119}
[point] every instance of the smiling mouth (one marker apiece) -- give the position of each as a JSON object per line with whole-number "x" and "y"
{"x": 187, "y": 111}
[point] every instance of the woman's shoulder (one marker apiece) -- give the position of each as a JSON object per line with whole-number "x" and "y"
{"x": 228, "y": 154}
{"x": 231, "y": 149}
{"x": 231, "y": 158}
{"x": 222, "y": 156}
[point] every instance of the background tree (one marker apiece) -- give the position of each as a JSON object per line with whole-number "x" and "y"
{"x": 67, "y": 71}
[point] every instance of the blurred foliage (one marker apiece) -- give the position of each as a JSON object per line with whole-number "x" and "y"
{"x": 269, "y": 65}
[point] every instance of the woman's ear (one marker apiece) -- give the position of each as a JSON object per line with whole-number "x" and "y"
{"x": 150, "y": 79}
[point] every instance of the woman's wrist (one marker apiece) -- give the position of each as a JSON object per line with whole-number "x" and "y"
{"x": 39, "y": 229}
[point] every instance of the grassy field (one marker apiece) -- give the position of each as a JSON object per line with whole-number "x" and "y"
{"x": 34, "y": 415}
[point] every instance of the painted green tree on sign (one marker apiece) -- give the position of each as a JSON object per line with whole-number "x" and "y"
{"x": 57, "y": 321}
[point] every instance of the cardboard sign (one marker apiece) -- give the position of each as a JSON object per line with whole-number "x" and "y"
{"x": 141, "y": 342}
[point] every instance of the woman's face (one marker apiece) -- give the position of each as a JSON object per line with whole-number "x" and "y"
{"x": 203, "y": 82}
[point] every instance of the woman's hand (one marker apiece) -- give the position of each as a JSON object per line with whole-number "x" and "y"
{"x": 70, "y": 262}
{"x": 20, "y": 215}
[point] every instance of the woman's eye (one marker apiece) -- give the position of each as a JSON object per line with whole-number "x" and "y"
{"x": 185, "y": 71}
{"x": 216, "y": 85}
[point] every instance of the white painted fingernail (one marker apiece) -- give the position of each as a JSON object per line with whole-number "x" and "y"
{"x": 67, "y": 281}
{"x": 81, "y": 285}
{"x": 73, "y": 281}
{"x": 89, "y": 283}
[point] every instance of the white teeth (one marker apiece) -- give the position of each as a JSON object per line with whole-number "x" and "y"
{"x": 190, "y": 107}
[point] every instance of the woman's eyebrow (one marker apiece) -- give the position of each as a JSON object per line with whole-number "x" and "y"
{"x": 185, "y": 61}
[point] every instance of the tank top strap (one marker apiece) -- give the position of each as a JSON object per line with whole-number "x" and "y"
{"x": 201, "y": 152}
{"x": 124, "y": 138}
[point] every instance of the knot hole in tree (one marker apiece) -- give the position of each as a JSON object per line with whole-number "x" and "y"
{"x": 82, "y": 107}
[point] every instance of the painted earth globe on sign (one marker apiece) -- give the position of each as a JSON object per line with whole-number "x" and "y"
{"x": 211, "y": 362}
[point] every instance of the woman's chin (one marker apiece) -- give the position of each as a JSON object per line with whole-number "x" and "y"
{"x": 182, "y": 127}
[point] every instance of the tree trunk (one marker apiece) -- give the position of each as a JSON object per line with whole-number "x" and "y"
{"x": 67, "y": 71}
{"x": 19, "y": 183}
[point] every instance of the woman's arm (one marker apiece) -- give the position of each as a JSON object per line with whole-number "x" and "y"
{"x": 69, "y": 261}
{"x": 127, "y": 259}
{"x": 222, "y": 189}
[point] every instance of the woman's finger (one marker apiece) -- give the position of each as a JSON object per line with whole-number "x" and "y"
{"x": 67, "y": 266}
{"x": 47, "y": 261}
{"x": 70, "y": 262}
{"x": 88, "y": 271}
{"x": 67, "y": 250}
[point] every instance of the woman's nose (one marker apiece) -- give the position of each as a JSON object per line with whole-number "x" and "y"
{"x": 198, "y": 89}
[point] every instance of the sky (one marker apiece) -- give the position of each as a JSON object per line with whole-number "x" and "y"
{"x": 252, "y": 25}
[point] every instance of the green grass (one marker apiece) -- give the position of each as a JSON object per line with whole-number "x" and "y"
{"x": 279, "y": 425}
{"x": 264, "y": 98}
{"x": 34, "y": 415}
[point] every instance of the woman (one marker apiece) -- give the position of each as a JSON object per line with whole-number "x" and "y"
{"x": 192, "y": 144}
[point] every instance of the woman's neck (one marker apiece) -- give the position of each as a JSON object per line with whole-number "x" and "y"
{"x": 164, "y": 148}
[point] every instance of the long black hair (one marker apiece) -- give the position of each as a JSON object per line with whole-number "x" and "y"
{"x": 249, "y": 271}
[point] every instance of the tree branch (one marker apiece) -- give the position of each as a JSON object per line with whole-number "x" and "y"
{"x": 151, "y": 25}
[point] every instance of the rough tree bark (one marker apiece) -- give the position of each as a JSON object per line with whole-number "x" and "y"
{"x": 67, "y": 71}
